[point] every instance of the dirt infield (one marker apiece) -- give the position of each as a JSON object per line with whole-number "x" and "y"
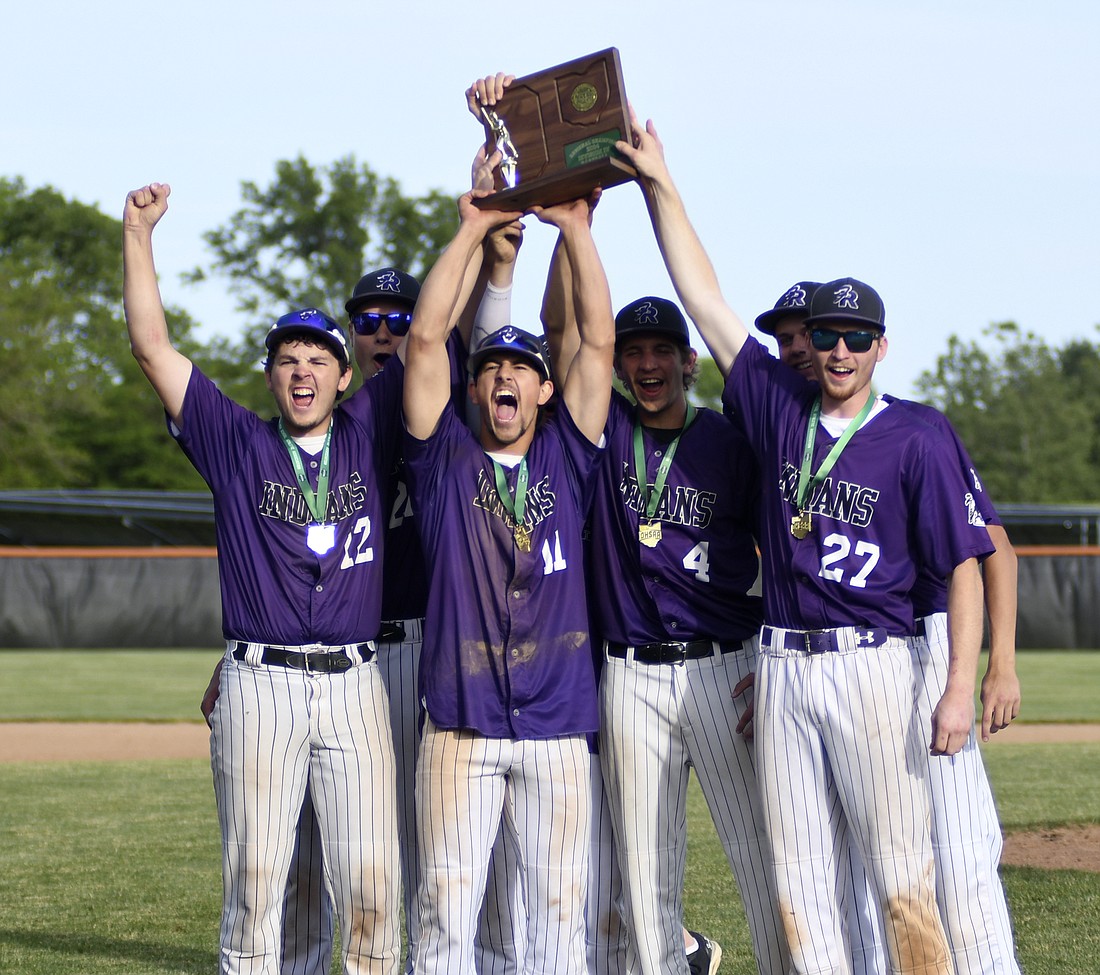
{"x": 1061, "y": 849}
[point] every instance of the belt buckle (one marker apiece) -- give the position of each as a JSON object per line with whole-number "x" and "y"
{"x": 308, "y": 652}
{"x": 677, "y": 653}
{"x": 818, "y": 641}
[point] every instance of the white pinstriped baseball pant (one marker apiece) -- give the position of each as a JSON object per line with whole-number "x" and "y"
{"x": 966, "y": 841}
{"x": 655, "y": 720}
{"x": 839, "y": 757}
{"x": 500, "y": 938}
{"x": 466, "y": 786}
{"x": 273, "y": 730}
{"x": 308, "y": 921}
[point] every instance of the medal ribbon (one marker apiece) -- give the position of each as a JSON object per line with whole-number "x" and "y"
{"x": 315, "y": 502}
{"x": 806, "y": 484}
{"x": 515, "y": 509}
{"x": 653, "y": 497}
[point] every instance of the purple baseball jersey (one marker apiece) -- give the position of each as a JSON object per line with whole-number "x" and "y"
{"x": 274, "y": 589}
{"x": 506, "y": 647}
{"x": 894, "y": 500}
{"x": 693, "y": 584}
{"x": 404, "y": 576}
{"x": 930, "y": 592}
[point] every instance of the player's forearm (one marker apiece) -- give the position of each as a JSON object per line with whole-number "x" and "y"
{"x": 1000, "y": 572}
{"x": 167, "y": 370}
{"x": 558, "y": 315}
{"x": 587, "y": 387}
{"x": 589, "y": 291}
{"x": 692, "y": 273}
{"x": 141, "y": 300}
{"x": 447, "y": 286}
{"x": 964, "y": 620}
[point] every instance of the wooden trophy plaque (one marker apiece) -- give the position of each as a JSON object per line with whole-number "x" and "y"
{"x": 557, "y": 131}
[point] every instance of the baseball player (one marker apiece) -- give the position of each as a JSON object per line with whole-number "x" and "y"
{"x": 672, "y": 558}
{"x": 301, "y": 701}
{"x": 379, "y": 313}
{"x": 507, "y": 679}
{"x": 966, "y": 834}
{"x": 607, "y": 934}
{"x": 857, "y": 496}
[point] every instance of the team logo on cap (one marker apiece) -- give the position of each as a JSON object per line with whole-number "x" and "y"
{"x": 389, "y": 281}
{"x": 795, "y": 297}
{"x": 846, "y": 297}
{"x": 646, "y": 314}
{"x": 307, "y": 313}
{"x": 509, "y": 335}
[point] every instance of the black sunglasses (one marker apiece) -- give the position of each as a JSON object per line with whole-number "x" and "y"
{"x": 825, "y": 339}
{"x": 368, "y": 322}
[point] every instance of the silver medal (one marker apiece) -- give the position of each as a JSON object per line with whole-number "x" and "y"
{"x": 321, "y": 538}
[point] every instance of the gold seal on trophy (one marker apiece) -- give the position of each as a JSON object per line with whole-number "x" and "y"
{"x": 584, "y": 97}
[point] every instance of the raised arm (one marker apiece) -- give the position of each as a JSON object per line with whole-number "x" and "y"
{"x": 953, "y": 717}
{"x": 687, "y": 262}
{"x": 427, "y": 369}
{"x": 166, "y": 369}
{"x": 559, "y": 318}
{"x": 490, "y": 305}
{"x": 1000, "y": 691}
{"x": 587, "y": 387}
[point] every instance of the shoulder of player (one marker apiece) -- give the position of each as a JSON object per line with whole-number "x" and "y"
{"x": 204, "y": 398}
{"x": 923, "y": 412}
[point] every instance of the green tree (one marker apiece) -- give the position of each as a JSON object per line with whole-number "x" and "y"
{"x": 1029, "y": 414}
{"x": 77, "y": 412}
{"x": 707, "y": 389}
{"x": 306, "y": 239}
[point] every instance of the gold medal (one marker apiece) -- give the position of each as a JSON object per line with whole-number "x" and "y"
{"x": 649, "y": 533}
{"x": 801, "y": 525}
{"x": 523, "y": 538}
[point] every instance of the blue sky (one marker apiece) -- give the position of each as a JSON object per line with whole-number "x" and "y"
{"x": 944, "y": 152}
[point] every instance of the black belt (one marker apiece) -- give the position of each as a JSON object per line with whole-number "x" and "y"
{"x": 919, "y": 627}
{"x": 671, "y": 653}
{"x": 331, "y": 662}
{"x": 391, "y": 631}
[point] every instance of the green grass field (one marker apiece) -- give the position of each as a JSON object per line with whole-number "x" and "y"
{"x": 113, "y": 867}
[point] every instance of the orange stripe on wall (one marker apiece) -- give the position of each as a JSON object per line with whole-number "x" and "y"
{"x": 59, "y": 552}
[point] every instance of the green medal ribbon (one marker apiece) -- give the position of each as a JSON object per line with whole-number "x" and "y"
{"x": 652, "y": 498}
{"x": 806, "y": 483}
{"x": 317, "y": 503}
{"x": 514, "y": 508}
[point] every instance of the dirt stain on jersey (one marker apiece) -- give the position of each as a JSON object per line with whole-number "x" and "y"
{"x": 477, "y": 656}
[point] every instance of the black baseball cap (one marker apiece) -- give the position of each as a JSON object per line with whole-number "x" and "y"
{"x": 650, "y": 315}
{"x": 386, "y": 282}
{"x": 510, "y": 339}
{"x": 309, "y": 323}
{"x": 793, "y": 303}
{"x": 847, "y": 300}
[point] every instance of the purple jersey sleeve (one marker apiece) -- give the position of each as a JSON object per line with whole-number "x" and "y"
{"x": 894, "y": 500}
{"x": 274, "y": 588}
{"x": 930, "y": 591}
{"x": 693, "y": 583}
{"x": 506, "y": 647}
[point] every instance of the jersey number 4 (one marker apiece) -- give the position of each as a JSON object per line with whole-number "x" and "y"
{"x": 832, "y": 567}
{"x": 698, "y": 561}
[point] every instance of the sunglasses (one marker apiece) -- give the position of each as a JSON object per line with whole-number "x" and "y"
{"x": 825, "y": 339}
{"x": 368, "y": 322}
